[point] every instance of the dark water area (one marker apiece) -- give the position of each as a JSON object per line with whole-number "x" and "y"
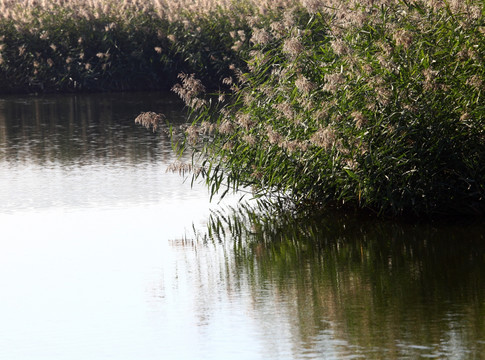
{"x": 82, "y": 128}
{"x": 104, "y": 254}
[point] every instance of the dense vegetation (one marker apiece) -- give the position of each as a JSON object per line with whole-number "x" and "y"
{"x": 374, "y": 104}
{"x": 101, "y": 45}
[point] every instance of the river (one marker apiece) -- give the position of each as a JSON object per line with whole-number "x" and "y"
{"x": 106, "y": 255}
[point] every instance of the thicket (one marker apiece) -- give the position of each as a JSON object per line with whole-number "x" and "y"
{"x": 374, "y": 104}
{"x": 107, "y": 45}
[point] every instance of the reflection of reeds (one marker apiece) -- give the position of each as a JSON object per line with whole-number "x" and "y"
{"x": 182, "y": 168}
{"x": 83, "y": 129}
{"x": 373, "y": 284}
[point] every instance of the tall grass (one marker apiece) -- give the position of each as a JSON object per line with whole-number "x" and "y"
{"x": 59, "y": 45}
{"x": 375, "y": 105}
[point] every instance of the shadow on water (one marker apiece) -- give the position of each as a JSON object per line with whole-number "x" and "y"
{"x": 350, "y": 286}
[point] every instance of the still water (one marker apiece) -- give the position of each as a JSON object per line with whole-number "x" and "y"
{"x": 106, "y": 255}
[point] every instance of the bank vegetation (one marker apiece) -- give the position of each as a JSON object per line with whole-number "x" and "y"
{"x": 373, "y": 104}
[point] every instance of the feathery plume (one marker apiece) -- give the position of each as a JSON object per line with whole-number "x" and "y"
{"x": 150, "y": 119}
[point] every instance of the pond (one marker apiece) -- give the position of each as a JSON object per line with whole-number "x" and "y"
{"x": 104, "y": 254}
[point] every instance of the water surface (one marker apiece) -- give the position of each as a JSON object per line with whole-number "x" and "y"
{"x": 105, "y": 255}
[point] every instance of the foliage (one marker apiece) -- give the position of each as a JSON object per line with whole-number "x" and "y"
{"x": 376, "y": 105}
{"x": 72, "y": 45}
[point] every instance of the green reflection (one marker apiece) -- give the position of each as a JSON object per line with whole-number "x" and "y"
{"x": 369, "y": 288}
{"x": 84, "y": 128}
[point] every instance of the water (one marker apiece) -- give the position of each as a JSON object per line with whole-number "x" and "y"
{"x": 99, "y": 259}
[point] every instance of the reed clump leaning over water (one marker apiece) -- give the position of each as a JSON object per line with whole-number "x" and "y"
{"x": 374, "y": 105}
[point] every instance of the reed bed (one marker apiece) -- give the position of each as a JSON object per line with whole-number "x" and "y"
{"x": 372, "y": 104}
{"x": 75, "y": 45}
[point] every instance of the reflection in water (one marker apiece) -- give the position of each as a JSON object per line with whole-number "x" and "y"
{"x": 84, "y": 150}
{"x": 339, "y": 287}
{"x": 82, "y": 129}
{"x": 106, "y": 279}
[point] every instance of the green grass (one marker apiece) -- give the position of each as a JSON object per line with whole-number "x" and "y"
{"x": 378, "y": 108}
{"x": 75, "y": 47}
